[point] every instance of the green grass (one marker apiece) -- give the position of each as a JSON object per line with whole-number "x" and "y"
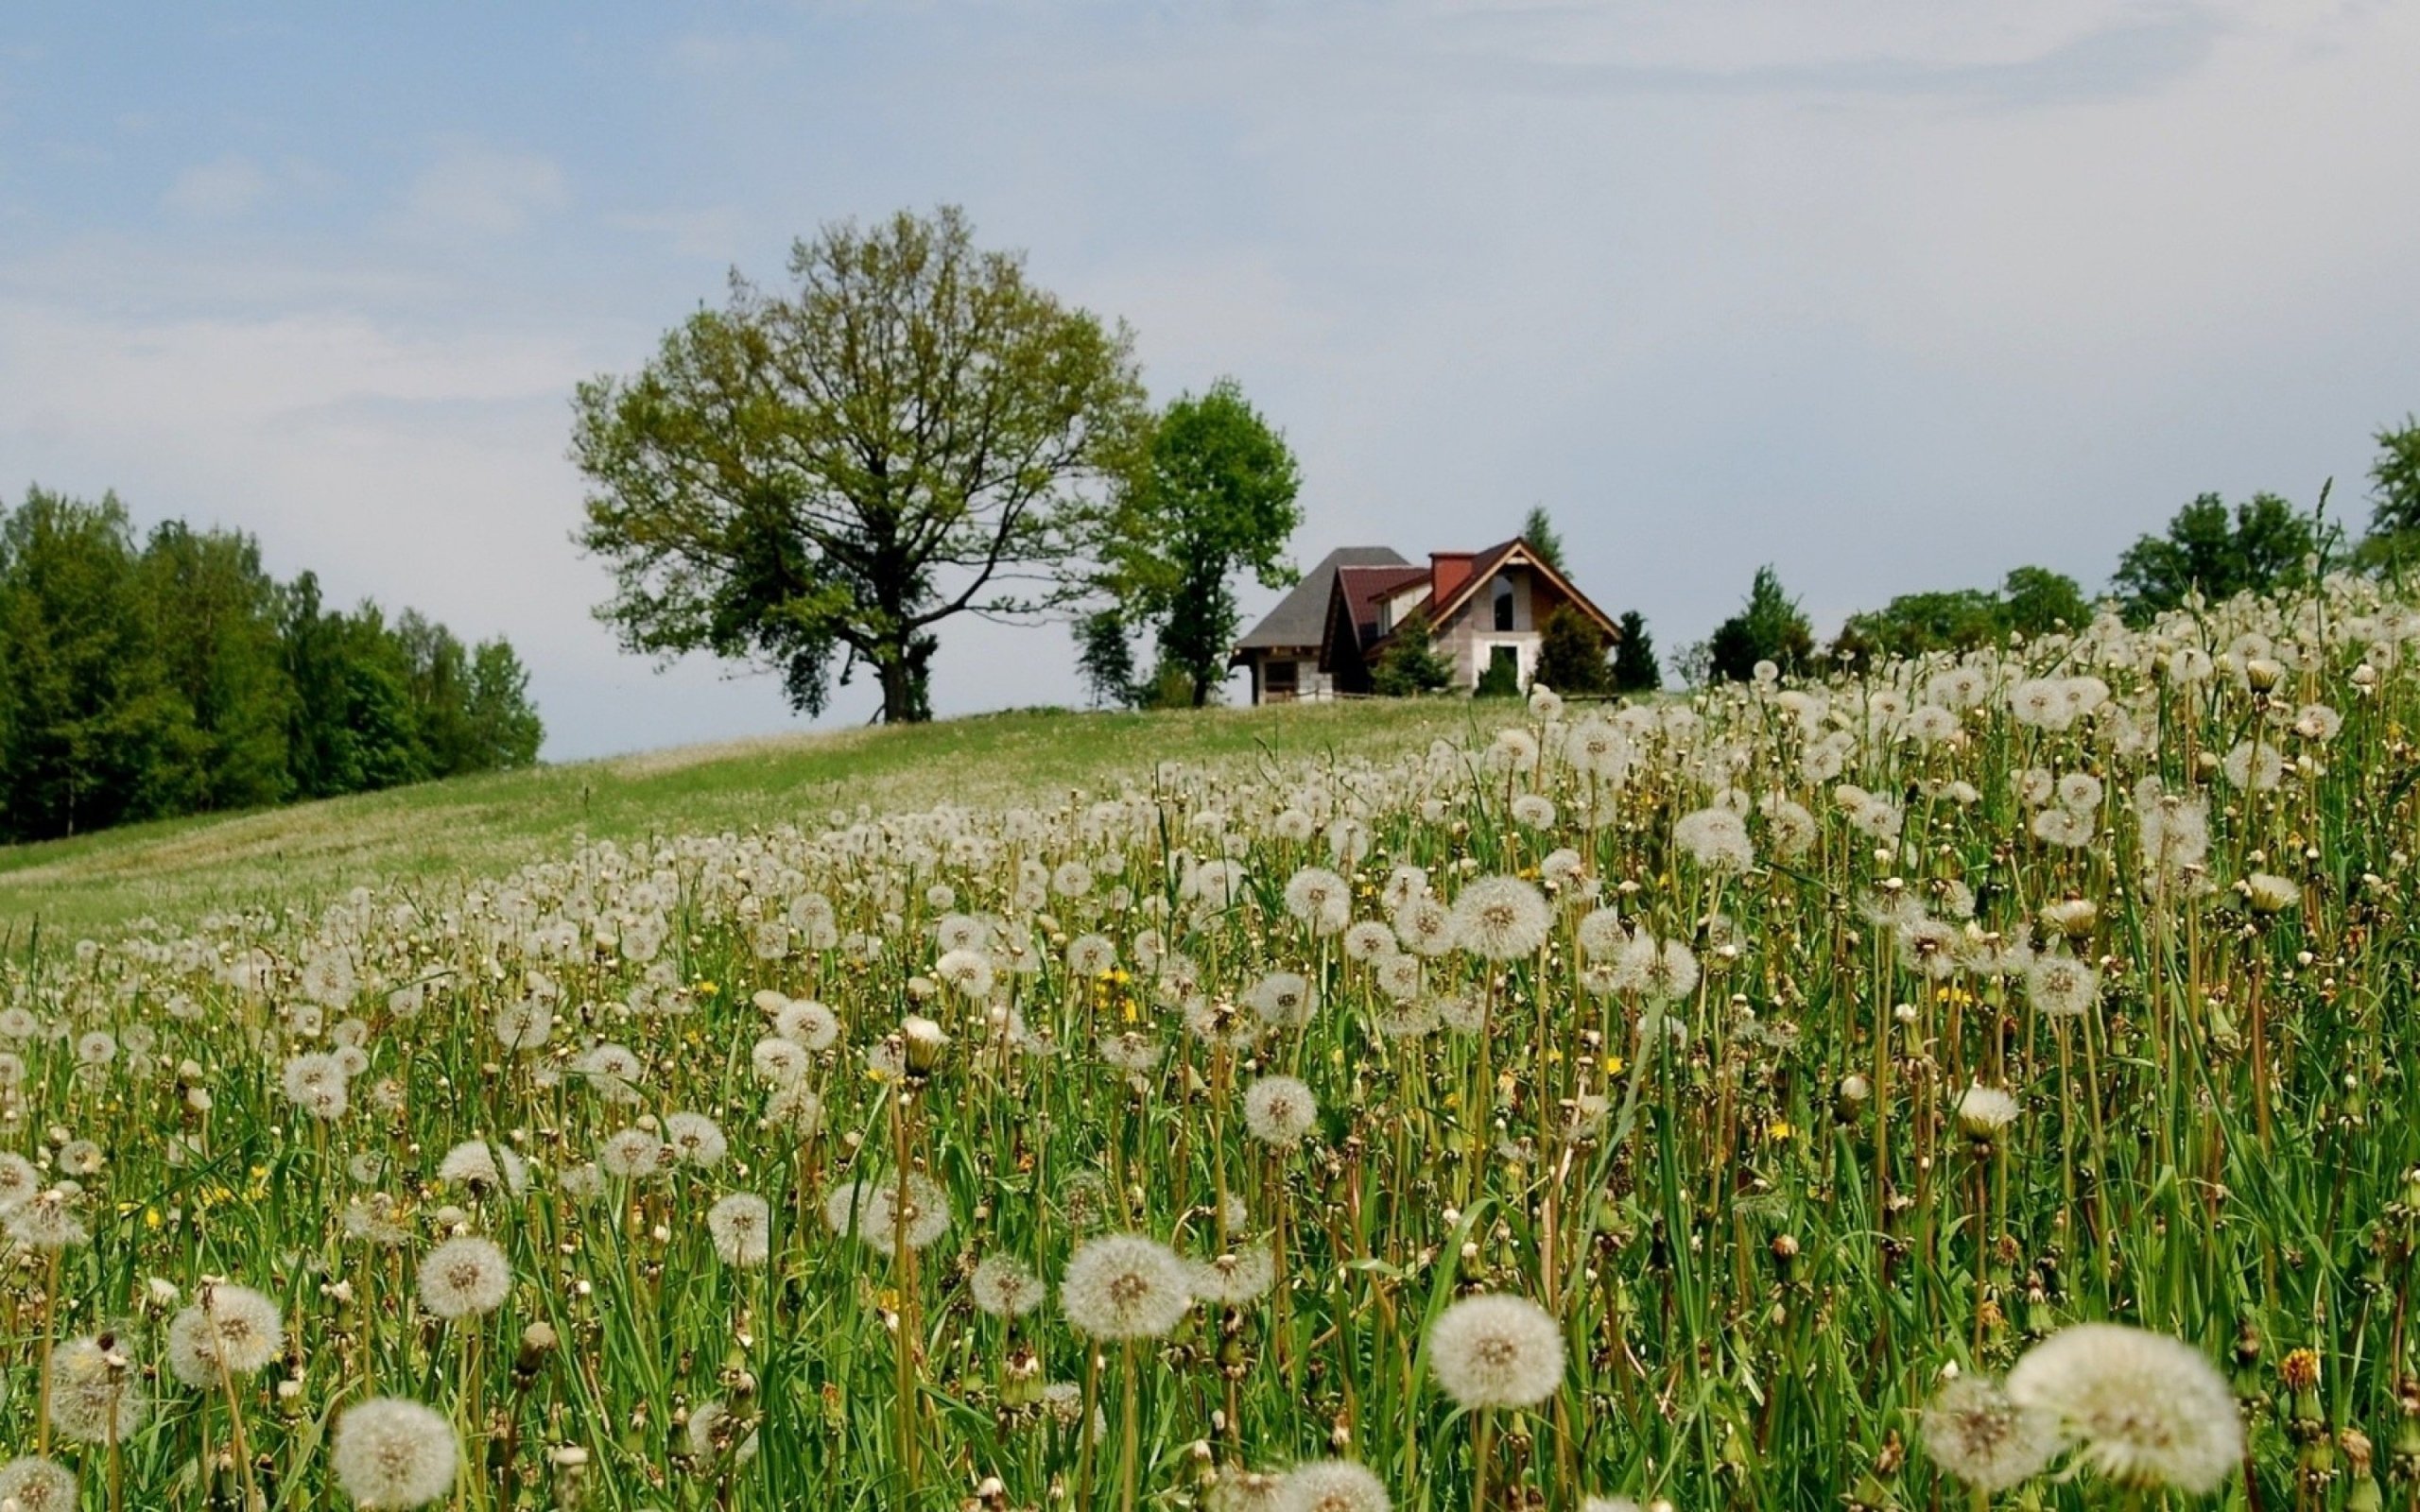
{"x": 1728, "y": 1136}
{"x": 480, "y": 826}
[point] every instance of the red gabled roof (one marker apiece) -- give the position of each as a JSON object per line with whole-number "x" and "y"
{"x": 1364, "y": 589}
{"x": 1484, "y": 566}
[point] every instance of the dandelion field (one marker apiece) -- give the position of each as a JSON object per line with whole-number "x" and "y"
{"x": 1952, "y": 1084}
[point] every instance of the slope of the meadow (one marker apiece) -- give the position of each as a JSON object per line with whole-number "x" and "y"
{"x": 480, "y": 825}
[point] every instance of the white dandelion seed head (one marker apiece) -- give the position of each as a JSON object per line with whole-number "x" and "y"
{"x": 1425, "y": 925}
{"x": 1090, "y": 956}
{"x": 1283, "y": 999}
{"x": 20, "y": 1183}
{"x": 1497, "y": 1351}
{"x": 1280, "y": 1110}
{"x": 612, "y": 1070}
{"x": 1601, "y": 934}
{"x": 1242, "y": 1490}
{"x": 741, "y": 1226}
{"x": 795, "y": 1108}
{"x": 692, "y": 1139}
{"x": 2147, "y": 1409}
{"x": 1005, "y": 1286}
{"x": 230, "y": 1329}
{"x": 1367, "y": 940}
{"x": 96, "y": 1393}
{"x": 390, "y": 1453}
{"x": 1320, "y": 899}
{"x": 1715, "y": 839}
{"x": 1125, "y": 1286}
{"x": 808, "y": 1023}
{"x": 49, "y": 1222}
{"x": 715, "y": 1432}
{"x": 885, "y": 1215}
{"x": 527, "y": 1025}
{"x": 1332, "y": 1485}
{"x": 778, "y": 1062}
{"x": 2061, "y": 985}
{"x": 1235, "y": 1277}
{"x": 1398, "y": 976}
{"x": 2267, "y": 893}
{"x": 1501, "y": 919}
{"x": 969, "y": 972}
{"x": 483, "y": 1168}
{"x": 33, "y": 1483}
{"x": 464, "y": 1277}
{"x": 2256, "y": 765}
{"x": 1975, "y": 1433}
{"x": 630, "y": 1154}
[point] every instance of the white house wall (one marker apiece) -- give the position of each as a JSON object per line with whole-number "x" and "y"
{"x": 1469, "y": 636}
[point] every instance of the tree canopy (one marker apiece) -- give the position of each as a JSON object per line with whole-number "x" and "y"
{"x": 911, "y": 432}
{"x": 1635, "y": 669}
{"x": 177, "y": 676}
{"x": 1410, "y": 662}
{"x": 2394, "y": 497}
{"x": 1770, "y": 626}
{"x": 1571, "y": 653}
{"x": 1212, "y": 495}
{"x": 1537, "y": 528}
{"x": 2259, "y": 547}
{"x": 2033, "y": 601}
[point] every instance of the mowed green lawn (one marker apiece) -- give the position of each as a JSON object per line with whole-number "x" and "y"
{"x": 478, "y": 826}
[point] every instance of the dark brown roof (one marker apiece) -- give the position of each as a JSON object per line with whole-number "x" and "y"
{"x": 1300, "y": 617}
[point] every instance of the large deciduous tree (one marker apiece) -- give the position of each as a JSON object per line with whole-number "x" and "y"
{"x": 1213, "y": 494}
{"x": 913, "y": 431}
{"x": 2258, "y": 548}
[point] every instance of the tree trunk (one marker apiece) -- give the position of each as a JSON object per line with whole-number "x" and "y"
{"x": 907, "y": 678}
{"x": 897, "y": 696}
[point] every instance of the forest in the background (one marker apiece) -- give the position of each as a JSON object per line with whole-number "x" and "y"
{"x": 145, "y": 676}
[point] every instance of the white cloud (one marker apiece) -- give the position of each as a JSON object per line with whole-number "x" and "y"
{"x": 221, "y": 189}
{"x": 483, "y": 190}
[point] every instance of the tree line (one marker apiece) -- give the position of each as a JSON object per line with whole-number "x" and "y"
{"x": 2263, "y": 544}
{"x": 168, "y": 673}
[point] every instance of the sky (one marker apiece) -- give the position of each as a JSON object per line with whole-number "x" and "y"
{"x": 1892, "y": 296}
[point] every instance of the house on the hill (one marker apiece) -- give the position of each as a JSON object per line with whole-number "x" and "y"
{"x": 1324, "y": 638}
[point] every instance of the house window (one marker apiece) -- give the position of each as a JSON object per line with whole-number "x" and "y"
{"x": 1504, "y": 603}
{"x": 1277, "y": 680}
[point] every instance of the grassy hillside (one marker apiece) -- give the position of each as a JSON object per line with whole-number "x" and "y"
{"x": 483, "y": 824}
